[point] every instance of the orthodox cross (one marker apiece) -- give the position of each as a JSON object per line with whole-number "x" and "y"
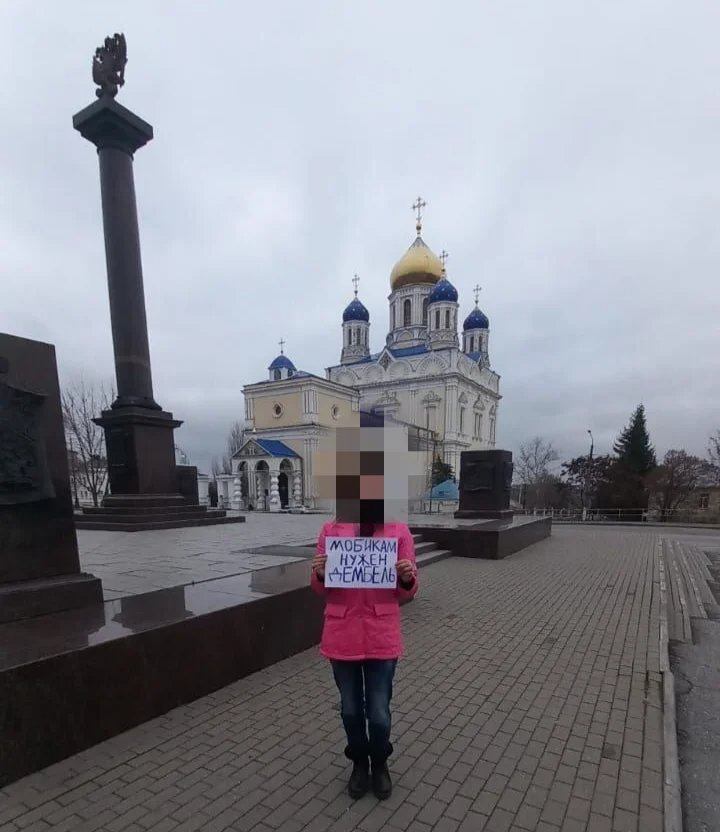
{"x": 417, "y": 206}
{"x": 355, "y": 281}
{"x": 282, "y": 344}
{"x": 477, "y": 290}
{"x": 443, "y": 257}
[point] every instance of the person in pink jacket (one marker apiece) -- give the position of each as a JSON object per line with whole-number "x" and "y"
{"x": 362, "y": 638}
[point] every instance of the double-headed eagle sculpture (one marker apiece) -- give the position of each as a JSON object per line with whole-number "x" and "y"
{"x": 108, "y": 67}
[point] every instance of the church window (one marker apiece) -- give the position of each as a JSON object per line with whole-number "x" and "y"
{"x": 277, "y": 410}
{"x": 407, "y": 312}
{"x": 472, "y": 343}
{"x": 392, "y": 316}
{"x": 477, "y": 425}
{"x": 704, "y": 501}
{"x": 276, "y": 375}
{"x": 437, "y": 319}
{"x": 425, "y": 310}
{"x": 447, "y": 319}
{"x": 335, "y": 411}
{"x": 462, "y": 420}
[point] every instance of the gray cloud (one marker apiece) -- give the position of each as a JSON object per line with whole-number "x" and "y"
{"x": 567, "y": 153}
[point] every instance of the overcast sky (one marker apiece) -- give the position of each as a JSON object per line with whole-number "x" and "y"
{"x": 568, "y": 152}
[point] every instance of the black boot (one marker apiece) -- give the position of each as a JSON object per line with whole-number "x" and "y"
{"x": 381, "y": 782}
{"x": 359, "y": 779}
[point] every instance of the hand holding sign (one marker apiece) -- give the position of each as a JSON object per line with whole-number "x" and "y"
{"x": 406, "y": 571}
{"x": 361, "y": 562}
{"x": 318, "y": 566}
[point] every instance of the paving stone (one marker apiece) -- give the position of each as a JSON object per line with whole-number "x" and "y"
{"x": 521, "y": 701}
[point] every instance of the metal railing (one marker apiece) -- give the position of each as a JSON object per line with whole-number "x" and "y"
{"x": 616, "y": 515}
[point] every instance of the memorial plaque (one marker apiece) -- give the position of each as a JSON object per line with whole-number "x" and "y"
{"x": 24, "y": 475}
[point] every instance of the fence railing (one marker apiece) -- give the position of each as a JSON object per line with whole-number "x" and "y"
{"x": 615, "y": 515}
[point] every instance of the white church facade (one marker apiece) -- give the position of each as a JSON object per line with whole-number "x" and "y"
{"x": 426, "y": 374}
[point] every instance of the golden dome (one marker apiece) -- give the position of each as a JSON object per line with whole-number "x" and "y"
{"x": 418, "y": 265}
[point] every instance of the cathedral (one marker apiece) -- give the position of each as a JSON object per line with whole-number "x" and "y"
{"x": 427, "y": 376}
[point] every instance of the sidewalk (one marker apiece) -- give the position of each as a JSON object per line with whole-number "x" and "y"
{"x": 530, "y": 699}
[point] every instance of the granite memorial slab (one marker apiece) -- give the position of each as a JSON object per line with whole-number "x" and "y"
{"x": 485, "y": 480}
{"x": 39, "y": 564}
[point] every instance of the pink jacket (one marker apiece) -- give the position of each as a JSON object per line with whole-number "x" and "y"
{"x": 364, "y": 623}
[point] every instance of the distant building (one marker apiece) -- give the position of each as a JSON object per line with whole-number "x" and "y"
{"x": 84, "y": 475}
{"x": 701, "y": 505}
{"x": 287, "y": 415}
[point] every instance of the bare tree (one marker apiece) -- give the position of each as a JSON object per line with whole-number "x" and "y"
{"x": 714, "y": 457}
{"x": 532, "y": 468}
{"x": 675, "y": 479}
{"x": 81, "y": 402}
{"x": 235, "y": 439}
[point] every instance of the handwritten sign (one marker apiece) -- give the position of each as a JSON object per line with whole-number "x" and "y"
{"x": 361, "y": 562}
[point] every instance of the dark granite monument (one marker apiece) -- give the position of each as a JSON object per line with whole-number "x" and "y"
{"x": 39, "y": 565}
{"x": 145, "y": 491}
{"x": 485, "y": 480}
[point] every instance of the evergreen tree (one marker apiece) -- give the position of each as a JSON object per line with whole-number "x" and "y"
{"x": 634, "y": 451}
{"x": 635, "y": 459}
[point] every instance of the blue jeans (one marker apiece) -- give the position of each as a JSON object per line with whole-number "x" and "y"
{"x": 365, "y": 693}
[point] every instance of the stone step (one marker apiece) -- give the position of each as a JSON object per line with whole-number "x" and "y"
{"x": 155, "y": 510}
{"x": 423, "y": 547}
{"x": 679, "y": 628}
{"x": 689, "y": 582}
{"x": 143, "y": 524}
{"x": 143, "y": 500}
{"x": 689, "y": 589}
{"x": 706, "y": 582}
{"x": 432, "y": 556}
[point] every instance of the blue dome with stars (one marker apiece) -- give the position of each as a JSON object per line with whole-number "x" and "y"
{"x": 355, "y": 311}
{"x": 476, "y": 320}
{"x": 282, "y": 362}
{"x": 443, "y": 290}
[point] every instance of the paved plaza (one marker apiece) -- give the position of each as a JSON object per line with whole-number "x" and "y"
{"x": 529, "y": 699}
{"x": 130, "y": 564}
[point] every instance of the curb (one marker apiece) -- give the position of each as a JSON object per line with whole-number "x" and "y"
{"x": 672, "y": 804}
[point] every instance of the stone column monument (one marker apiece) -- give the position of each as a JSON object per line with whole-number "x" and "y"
{"x": 139, "y": 434}
{"x": 144, "y": 486}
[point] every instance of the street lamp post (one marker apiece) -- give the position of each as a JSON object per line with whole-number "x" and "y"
{"x": 588, "y": 466}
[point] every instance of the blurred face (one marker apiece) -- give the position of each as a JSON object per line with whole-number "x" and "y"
{"x": 371, "y": 487}
{"x": 359, "y": 486}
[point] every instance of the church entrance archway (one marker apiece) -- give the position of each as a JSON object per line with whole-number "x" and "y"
{"x": 283, "y": 489}
{"x": 262, "y": 485}
{"x": 284, "y": 482}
